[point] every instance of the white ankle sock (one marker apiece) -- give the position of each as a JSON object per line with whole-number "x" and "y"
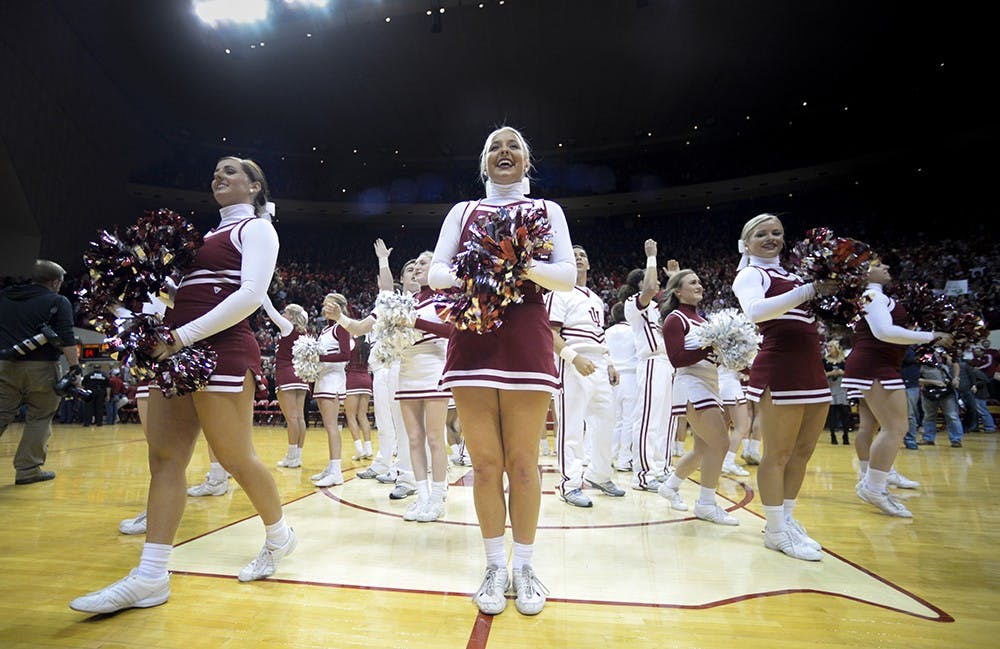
{"x": 789, "y": 507}
{"x": 706, "y": 496}
{"x": 730, "y": 458}
{"x": 438, "y": 491}
{"x": 359, "y": 447}
{"x": 423, "y": 490}
{"x": 277, "y": 533}
{"x": 368, "y": 448}
{"x": 292, "y": 449}
{"x": 333, "y": 466}
{"x": 496, "y": 555}
{"x": 674, "y": 482}
{"x": 876, "y": 480}
{"x": 216, "y": 473}
{"x": 153, "y": 562}
{"x": 775, "y": 515}
{"x": 522, "y": 555}
{"x": 755, "y": 445}
{"x": 863, "y": 467}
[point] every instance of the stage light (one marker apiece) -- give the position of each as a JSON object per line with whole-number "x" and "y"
{"x": 214, "y": 12}
{"x": 388, "y": 19}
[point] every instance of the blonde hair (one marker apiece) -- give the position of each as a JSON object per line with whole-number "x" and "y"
{"x": 752, "y": 224}
{"x": 484, "y": 176}
{"x": 256, "y": 175}
{"x": 338, "y": 298}
{"x": 671, "y": 301}
{"x": 298, "y": 317}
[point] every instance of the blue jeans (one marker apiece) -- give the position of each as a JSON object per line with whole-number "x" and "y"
{"x": 949, "y": 407}
{"x": 912, "y": 406}
{"x": 983, "y": 412}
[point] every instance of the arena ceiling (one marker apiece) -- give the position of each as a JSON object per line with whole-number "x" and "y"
{"x": 576, "y": 75}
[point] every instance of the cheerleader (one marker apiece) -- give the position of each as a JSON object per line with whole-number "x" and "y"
{"x": 292, "y": 390}
{"x": 737, "y": 415}
{"x": 695, "y": 395}
{"x": 787, "y": 383}
{"x": 621, "y": 346}
{"x": 359, "y": 395}
{"x": 873, "y": 368}
{"x": 226, "y": 283}
{"x": 331, "y": 385}
{"x": 503, "y": 381}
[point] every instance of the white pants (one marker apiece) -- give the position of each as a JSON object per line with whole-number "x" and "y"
{"x": 652, "y": 432}
{"x": 584, "y": 400}
{"x": 621, "y": 436}
{"x": 395, "y": 435}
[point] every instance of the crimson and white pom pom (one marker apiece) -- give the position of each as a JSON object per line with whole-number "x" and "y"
{"x": 394, "y": 318}
{"x": 732, "y": 336}
{"x": 305, "y": 358}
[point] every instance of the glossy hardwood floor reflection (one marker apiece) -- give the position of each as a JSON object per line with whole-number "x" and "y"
{"x": 627, "y": 573}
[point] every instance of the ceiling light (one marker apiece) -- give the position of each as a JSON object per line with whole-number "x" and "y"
{"x": 214, "y": 12}
{"x": 309, "y": 35}
{"x": 228, "y": 51}
{"x": 388, "y": 19}
{"x": 805, "y": 103}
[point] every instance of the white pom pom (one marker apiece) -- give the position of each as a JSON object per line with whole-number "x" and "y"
{"x": 732, "y": 336}
{"x": 305, "y": 358}
{"x": 394, "y": 318}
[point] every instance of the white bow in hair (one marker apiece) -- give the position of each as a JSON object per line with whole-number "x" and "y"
{"x": 270, "y": 208}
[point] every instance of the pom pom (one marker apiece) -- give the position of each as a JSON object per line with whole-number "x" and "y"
{"x": 305, "y": 358}
{"x": 394, "y": 318}
{"x": 822, "y": 256}
{"x": 732, "y": 336}
{"x": 186, "y": 371}
{"x": 125, "y": 264}
{"x": 930, "y": 312}
{"x": 491, "y": 268}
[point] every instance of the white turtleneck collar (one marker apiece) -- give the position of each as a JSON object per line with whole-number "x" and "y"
{"x": 510, "y": 192}
{"x": 238, "y": 212}
{"x": 872, "y": 286}
{"x": 766, "y": 262}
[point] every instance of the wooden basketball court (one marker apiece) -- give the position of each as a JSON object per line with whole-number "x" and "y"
{"x": 627, "y": 573}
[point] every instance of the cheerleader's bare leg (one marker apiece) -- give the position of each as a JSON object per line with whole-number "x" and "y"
{"x": 889, "y": 409}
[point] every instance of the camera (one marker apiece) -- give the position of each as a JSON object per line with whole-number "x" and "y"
{"x": 67, "y": 386}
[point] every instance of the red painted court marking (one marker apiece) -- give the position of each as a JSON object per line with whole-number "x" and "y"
{"x": 480, "y": 632}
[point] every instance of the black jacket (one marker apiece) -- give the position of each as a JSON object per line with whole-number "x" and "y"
{"x": 25, "y": 308}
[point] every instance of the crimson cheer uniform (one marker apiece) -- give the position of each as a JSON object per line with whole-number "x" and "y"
{"x": 335, "y": 342}
{"x": 284, "y": 372}
{"x": 879, "y": 344}
{"x": 422, "y": 363}
{"x": 359, "y": 380}
{"x": 518, "y": 354}
{"x": 790, "y": 360}
{"x": 225, "y": 284}
{"x": 696, "y": 378}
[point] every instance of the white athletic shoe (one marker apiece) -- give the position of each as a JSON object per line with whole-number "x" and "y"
{"x": 490, "y": 596}
{"x": 673, "y": 496}
{"x": 791, "y": 544}
{"x": 884, "y": 501}
{"x": 209, "y": 488}
{"x": 331, "y": 479}
{"x": 623, "y": 466}
{"x": 608, "y": 488}
{"x": 267, "y": 560}
{"x": 796, "y": 528}
{"x": 133, "y": 591}
{"x": 679, "y": 449}
{"x": 652, "y": 484}
{"x": 432, "y": 511}
{"x": 735, "y": 469}
{"x": 401, "y": 491}
{"x": 289, "y": 462}
{"x": 530, "y": 592}
{"x": 319, "y": 476}
{"x": 577, "y": 498}
{"x": 135, "y": 525}
{"x": 897, "y": 479}
{"x": 368, "y": 474}
{"x": 714, "y": 514}
{"x": 415, "y": 509}
{"x": 751, "y": 457}
{"x": 386, "y": 478}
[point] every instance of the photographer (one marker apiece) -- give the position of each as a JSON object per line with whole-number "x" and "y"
{"x": 30, "y": 371}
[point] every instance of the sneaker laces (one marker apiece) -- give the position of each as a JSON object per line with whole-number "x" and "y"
{"x": 529, "y": 579}
{"x": 490, "y": 583}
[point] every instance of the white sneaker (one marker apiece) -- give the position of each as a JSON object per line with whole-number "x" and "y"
{"x": 289, "y": 462}
{"x": 133, "y": 591}
{"x": 750, "y": 457}
{"x": 466, "y": 461}
{"x": 577, "y": 498}
{"x": 735, "y": 469}
{"x": 267, "y": 561}
{"x": 415, "y": 509}
{"x": 455, "y": 459}
{"x": 386, "y": 478}
{"x": 796, "y": 528}
{"x": 679, "y": 450}
{"x": 673, "y": 496}
{"x": 319, "y": 476}
{"x": 652, "y": 484}
{"x": 884, "y": 501}
{"x": 368, "y": 474}
{"x": 330, "y": 479}
{"x": 791, "y": 544}
{"x": 433, "y": 510}
{"x": 209, "y": 488}
{"x": 530, "y": 592}
{"x": 714, "y": 514}
{"x": 897, "y": 479}
{"x": 135, "y": 525}
{"x": 490, "y": 596}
